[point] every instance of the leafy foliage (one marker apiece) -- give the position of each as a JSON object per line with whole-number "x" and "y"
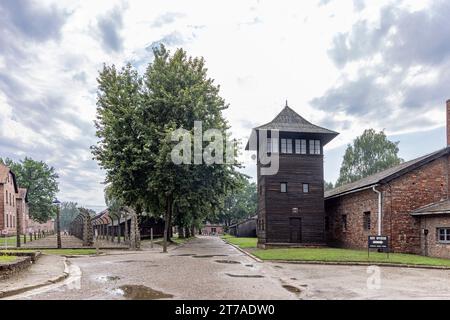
{"x": 370, "y": 153}
{"x": 69, "y": 211}
{"x": 240, "y": 204}
{"x": 328, "y": 185}
{"x": 136, "y": 117}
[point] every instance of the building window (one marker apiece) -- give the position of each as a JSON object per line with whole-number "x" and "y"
{"x": 283, "y": 187}
{"x": 344, "y": 222}
{"x": 443, "y": 235}
{"x": 300, "y": 146}
{"x": 306, "y": 188}
{"x": 314, "y": 146}
{"x": 6, "y": 196}
{"x": 366, "y": 220}
{"x": 272, "y": 145}
{"x": 286, "y": 145}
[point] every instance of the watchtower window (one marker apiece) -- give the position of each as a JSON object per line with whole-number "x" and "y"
{"x": 300, "y": 146}
{"x": 286, "y": 145}
{"x": 283, "y": 187}
{"x": 272, "y": 145}
{"x": 314, "y": 146}
{"x": 306, "y": 188}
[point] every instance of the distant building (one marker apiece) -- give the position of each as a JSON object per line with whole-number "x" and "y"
{"x": 210, "y": 229}
{"x": 14, "y": 215}
{"x": 22, "y": 210}
{"x": 244, "y": 228}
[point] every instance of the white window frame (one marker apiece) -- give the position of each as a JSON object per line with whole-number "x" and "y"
{"x": 285, "y": 187}
{"x": 446, "y": 235}
{"x": 303, "y": 187}
{"x": 314, "y": 147}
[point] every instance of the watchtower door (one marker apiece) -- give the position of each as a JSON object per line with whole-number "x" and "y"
{"x": 295, "y": 226}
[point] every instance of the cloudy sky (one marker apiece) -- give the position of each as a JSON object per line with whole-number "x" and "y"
{"x": 345, "y": 65}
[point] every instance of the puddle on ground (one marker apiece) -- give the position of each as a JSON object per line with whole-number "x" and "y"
{"x": 244, "y": 275}
{"x": 292, "y": 288}
{"x": 107, "y": 278}
{"x": 140, "y": 292}
{"x": 210, "y": 256}
{"x": 294, "y": 279}
{"x": 279, "y": 267}
{"x": 182, "y": 255}
{"x": 249, "y": 265}
{"x": 228, "y": 261}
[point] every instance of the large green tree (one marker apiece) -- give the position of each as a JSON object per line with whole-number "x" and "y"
{"x": 41, "y": 181}
{"x": 370, "y": 153}
{"x": 136, "y": 120}
{"x": 240, "y": 204}
{"x": 178, "y": 92}
{"x": 69, "y": 211}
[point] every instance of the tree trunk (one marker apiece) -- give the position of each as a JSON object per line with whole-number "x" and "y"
{"x": 188, "y": 234}
{"x": 112, "y": 230}
{"x": 119, "y": 233}
{"x": 125, "y": 230}
{"x": 192, "y": 231}
{"x": 167, "y": 217}
{"x": 18, "y": 227}
{"x": 133, "y": 232}
{"x": 181, "y": 232}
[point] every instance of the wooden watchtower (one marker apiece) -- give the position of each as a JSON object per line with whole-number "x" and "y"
{"x": 291, "y": 200}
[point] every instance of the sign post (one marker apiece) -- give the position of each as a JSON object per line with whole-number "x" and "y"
{"x": 378, "y": 242}
{"x": 5, "y": 234}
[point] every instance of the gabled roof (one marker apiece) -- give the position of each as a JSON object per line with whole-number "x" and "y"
{"x": 23, "y": 194}
{"x": 386, "y": 175}
{"x": 4, "y": 171}
{"x": 291, "y": 121}
{"x": 441, "y": 207}
{"x": 255, "y": 217}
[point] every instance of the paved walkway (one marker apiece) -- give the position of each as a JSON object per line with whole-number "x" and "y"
{"x": 207, "y": 268}
{"x": 68, "y": 242}
{"x": 51, "y": 242}
{"x": 46, "y": 269}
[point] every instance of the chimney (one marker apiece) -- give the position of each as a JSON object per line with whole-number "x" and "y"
{"x": 448, "y": 123}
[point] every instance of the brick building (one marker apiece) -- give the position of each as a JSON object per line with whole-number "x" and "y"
{"x": 409, "y": 203}
{"x": 8, "y": 203}
{"x": 14, "y": 216}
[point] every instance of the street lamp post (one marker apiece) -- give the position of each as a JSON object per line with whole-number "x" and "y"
{"x": 57, "y": 203}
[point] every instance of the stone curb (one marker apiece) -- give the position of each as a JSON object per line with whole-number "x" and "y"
{"x": 243, "y": 251}
{"x": 13, "y": 292}
{"x": 335, "y": 263}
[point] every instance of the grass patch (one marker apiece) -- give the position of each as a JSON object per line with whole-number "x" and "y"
{"x": 179, "y": 241}
{"x": 11, "y": 241}
{"x": 346, "y": 255}
{"x": 241, "y": 242}
{"x": 7, "y": 259}
{"x": 69, "y": 252}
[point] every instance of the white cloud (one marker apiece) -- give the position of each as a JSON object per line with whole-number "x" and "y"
{"x": 260, "y": 52}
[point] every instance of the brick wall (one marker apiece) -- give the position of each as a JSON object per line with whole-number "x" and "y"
{"x": 2, "y": 206}
{"x": 8, "y": 209}
{"x": 425, "y": 185}
{"x": 430, "y": 246}
{"x": 353, "y": 206}
{"x": 415, "y": 189}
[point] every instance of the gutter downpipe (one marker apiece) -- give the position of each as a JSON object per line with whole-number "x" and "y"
{"x": 379, "y": 209}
